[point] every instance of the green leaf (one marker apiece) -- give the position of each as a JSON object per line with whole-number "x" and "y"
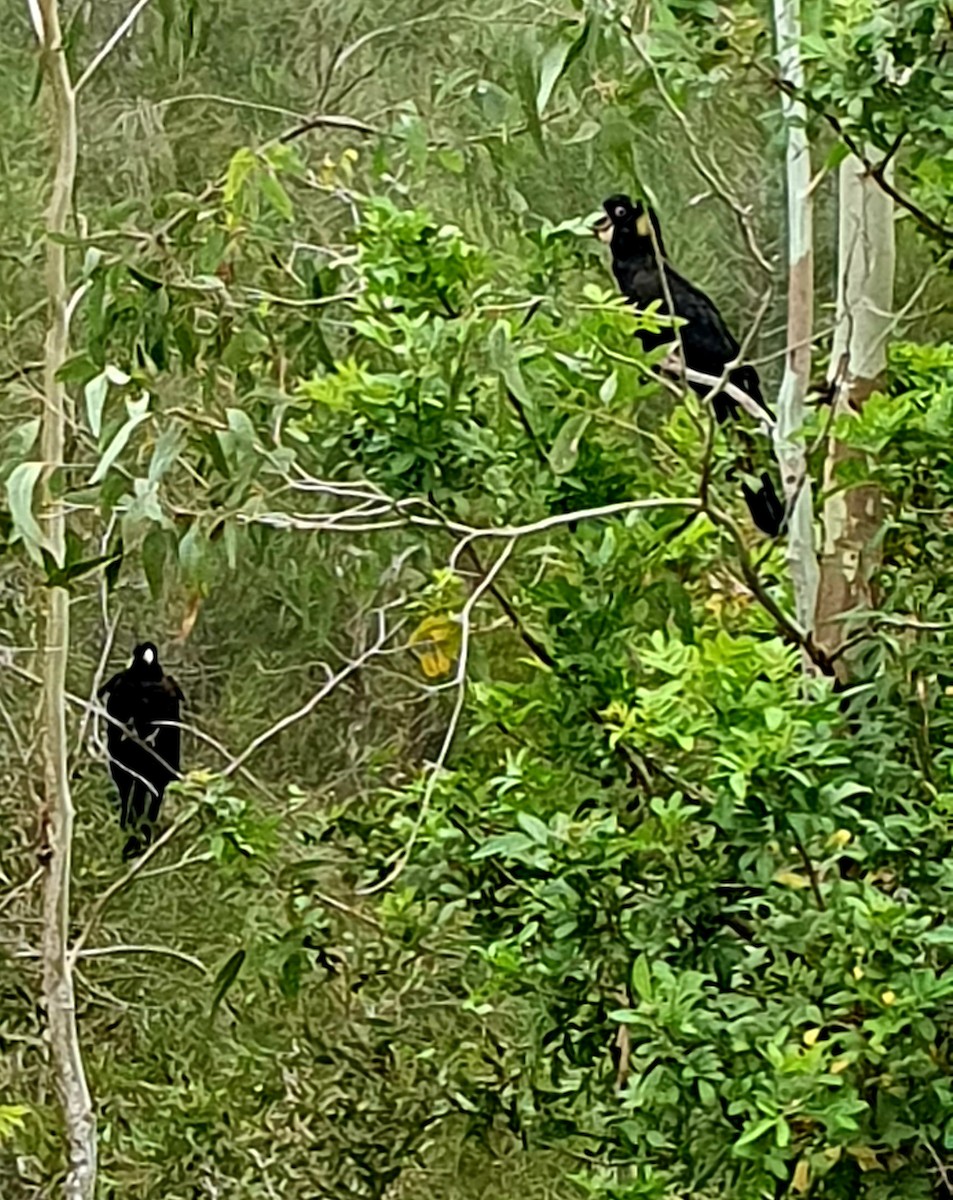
{"x": 941, "y": 936}
{"x": 11, "y": 1119}
{"x": 538, "y": 830}
{"x": 20, "y": 486}
{"x": 839, "y": 792}
{"x": 277, "y": 197}
{"x": 18, "y": 444}
{"x": 609, "y": 388}
{"x": 165, "y": 453}
{"x": 451, "y": 160}
{"x": 138, "y": 411}
{"x": 565, "y": 451}
{"x": 753, "y": 1132}
{"x": 77, "y": 369}
{"x": 242, "y": 164}
{"x": 61, "y": 576}
{"x": 839, "y": 151}
{"x": 507, "y": 845}
{"x": 513, "y": 378}
{"x": 155, "y": 547}
{"x": 115, "y": 376}
{"x": 146, "y": 281}
{"x": 556, "y": 62}
{"x": 226, "y": 977}
{"x": 192, "y": 554}
{"x": 95, "y": 394}
{"x": 527, "y": 86}
{"x": 550, "y": 69}
{"x": 585, "y": 133}
{"x": 641, "y": 977}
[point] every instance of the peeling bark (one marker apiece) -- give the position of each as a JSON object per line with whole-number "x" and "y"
{"x": 801, "y": 557}
{"x": 852, "y": 519}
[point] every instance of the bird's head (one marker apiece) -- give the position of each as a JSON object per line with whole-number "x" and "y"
{"x": 145, "y": 661}
{"x": 627, "y": 225}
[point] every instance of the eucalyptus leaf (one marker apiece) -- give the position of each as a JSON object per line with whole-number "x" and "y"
{"x": 95, "y": 394}
{"x": 138, "y": 411}
{"x": 20, "y": 487}
{"x": 226, "y": 977}
{"x": 565, "y": 451}
{"x": 154, "y": 550}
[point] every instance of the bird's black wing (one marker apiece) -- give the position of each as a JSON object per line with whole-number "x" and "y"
{"x": 709, "y": 345}
{"x": 111, "y": 684}
{"x": 705, "y": 337}
{"x": 160, "y": 706}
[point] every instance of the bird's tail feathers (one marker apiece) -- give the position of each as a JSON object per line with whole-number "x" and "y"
{"x": 765, "y": 505}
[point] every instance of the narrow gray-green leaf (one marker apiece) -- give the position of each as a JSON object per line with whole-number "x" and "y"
{"x": 115, "y": 375}
{"x": 226, "y": 977}
{"x": 565, "y": 451}
{"x": 20, "y": 487}
{"x": 166, "y": 451}
{"x": 138, "y": 412}
{"x": 550, "y": 69}
{"x": 95, "y": 392}
{"x": 154, "y": 549}
{"x": 642, "y": 977}
{"x": 538, "y": 830}
{"x": 513, "y": 378}
{"x": 18, "y": 444}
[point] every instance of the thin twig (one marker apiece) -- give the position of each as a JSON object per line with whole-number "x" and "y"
{"x": 437, "y": 770}
{"x": 119, "y": 884}
{"x": 104, "y": 951}
{"x": 110, "y": 44}
{"x": 383, "y": 635}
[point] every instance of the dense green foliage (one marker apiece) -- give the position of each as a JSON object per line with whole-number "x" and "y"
{"x": 560, "y": 879}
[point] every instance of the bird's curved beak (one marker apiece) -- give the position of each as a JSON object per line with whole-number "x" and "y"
{"x": 603, "y": 230}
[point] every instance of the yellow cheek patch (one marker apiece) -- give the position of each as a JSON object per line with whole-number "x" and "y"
{"x": 642, "y": 226}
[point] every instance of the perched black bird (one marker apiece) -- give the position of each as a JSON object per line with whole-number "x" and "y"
{"x": 706, "y": 343}
{"x": 143, "y": 750}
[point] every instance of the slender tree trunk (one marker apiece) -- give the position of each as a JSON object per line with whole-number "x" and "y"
{"x": 852, "y": 518}
{"x": 801, "y": 556}
{"x": 59, "y": 997}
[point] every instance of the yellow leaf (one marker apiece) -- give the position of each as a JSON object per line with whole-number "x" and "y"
{"x": 791, "y": 879}
{"x": 858, "y": 972}
{"x": 866, "y": 1158}
{"x": 326, "y": 175}
{"x": 840, "y": 1066}
{"x": 840, "y": 838}
{"x": 888, "y": 997}
{"x": 802, "y": 1176}
{"x": 811, "y": 1037}
{"x": 437, "y": 644}
{"x": 435, "y": 663}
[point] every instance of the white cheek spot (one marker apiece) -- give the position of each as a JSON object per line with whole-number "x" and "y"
{"x": 148, "y": 657}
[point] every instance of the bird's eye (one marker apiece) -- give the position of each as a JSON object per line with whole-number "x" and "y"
{"x": 620, "y": 211}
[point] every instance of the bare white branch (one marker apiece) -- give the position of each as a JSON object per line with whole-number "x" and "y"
{"x": 110, "y": 44}
{"x": 383, "y": 635}
{"x": 460, "y": 679}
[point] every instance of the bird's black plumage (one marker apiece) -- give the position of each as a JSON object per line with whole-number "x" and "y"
{"x": 143, "y": 750}
{"x": 644, "y": 276}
